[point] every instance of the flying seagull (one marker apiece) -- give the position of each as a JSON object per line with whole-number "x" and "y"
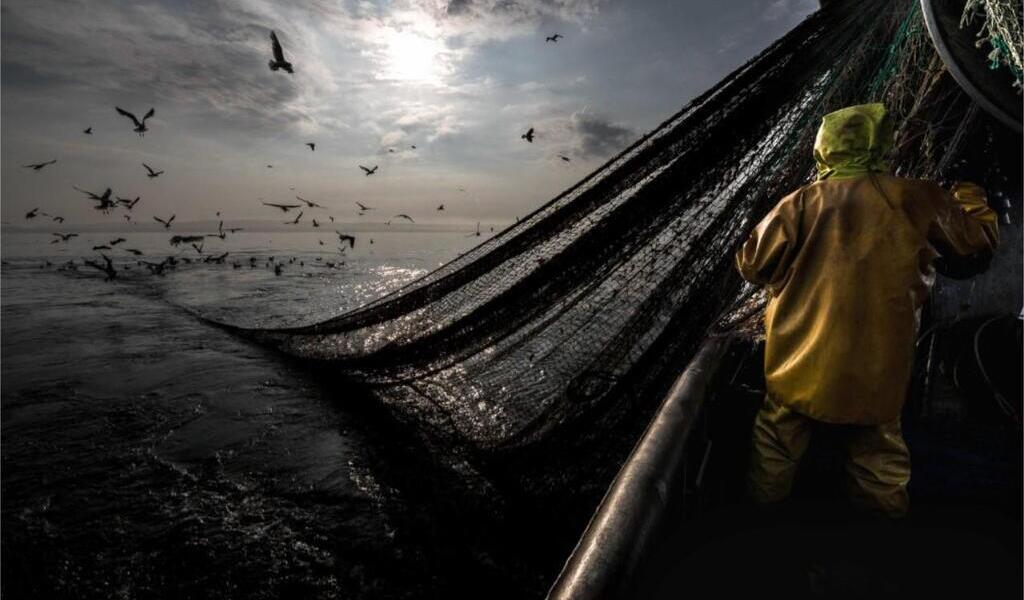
{"x": 283, "y": 207}
{"x": 364, "y": 207}
{"x": 128, "y": 202}
{"x": 108, "y": 268}
{"x": 39, "y": 166}
{"x": 119, "y": 240}
{"x": 158, "y": 268}
{"x": 63, "y": 237}
{"x": 134, "y": 251}
{"x": 369, "y": 171}
{"x": 88, "y": 130}
{"x": 563, "y": 157}
{"x": 58, "y": 219}
{"x": 92, "y": 196}
{"x": 554, "y": 38}
{"x": 32, "y": 213}
{"x": 278, "y": 61}
{"x": 152, "y": 173}
{"x": 140, "y": 126}
{"x": 440, "y": 207}
{"x": 167, "y": 223}
{"x": 344, "y": 237}
{"x": 312, "y": 146}
{"x": 402, "y": 216}
{"x": 177, "y": 240}
{"x": 309, "y": 203}
{"x": 315, "y": 224}
{"x": 528, "y": 136}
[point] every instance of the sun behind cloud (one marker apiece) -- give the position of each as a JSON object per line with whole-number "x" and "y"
{"x": 415, "y": 57}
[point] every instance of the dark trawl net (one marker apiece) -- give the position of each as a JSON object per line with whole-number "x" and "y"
{"x": 551, "y": 342}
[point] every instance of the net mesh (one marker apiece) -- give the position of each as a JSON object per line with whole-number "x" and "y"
{"x": 549, "y": 345}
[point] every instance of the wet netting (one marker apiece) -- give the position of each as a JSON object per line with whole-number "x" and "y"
{"x": 553, "y": 342}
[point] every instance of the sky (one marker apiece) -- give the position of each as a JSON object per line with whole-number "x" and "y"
{"x": 461, "y": 80}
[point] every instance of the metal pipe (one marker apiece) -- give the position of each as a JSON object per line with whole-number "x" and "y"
{"x": 604, "y": 562}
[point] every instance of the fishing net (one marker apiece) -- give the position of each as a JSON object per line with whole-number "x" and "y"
{"x": 538, "y": 355}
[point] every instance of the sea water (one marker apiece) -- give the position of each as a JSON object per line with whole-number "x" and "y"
{"x": 146, "y": 454}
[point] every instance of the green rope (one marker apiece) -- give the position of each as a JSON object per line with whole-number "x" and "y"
{"x": 1000, "y": 55}
{"x": 908, "y": 27}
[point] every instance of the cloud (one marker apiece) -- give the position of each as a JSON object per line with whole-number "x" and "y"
{"x": 585, "y": 135}
{"x": 525, "y": 10}
{"x": 597, "y": 137}
{"x": 784, "y": 8}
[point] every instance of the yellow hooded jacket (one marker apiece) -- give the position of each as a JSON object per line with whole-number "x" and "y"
{"x": 847, "y": 262}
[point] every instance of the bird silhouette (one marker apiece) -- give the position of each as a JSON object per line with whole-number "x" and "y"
{"x": 128, "y": 202}
{"x": 103, "y": 247}
{"x": 368, "y": 170}
{"x": 158, "y": 268}
{"x": 140, "y": 126}
{"x": 107, "y": 268}
{"x": 92, "y": 196}
{"x": 440, "y": 207}
{"x": 270, "y": 166}
{"x": 198, "y": 247}
{"x": 413, "y": 146}
{"x": 283, "y": 207}
{"x": 315, "y": 224}
{"x": 177, "y": 240}
{"x": 565, "y": 158}
{"x": 151, "y": 174}
{"x": 58, "y": 219}
{"x": 528, "y": 136}
{"x": 344, "y": 237}
{"x": 309, "y": 203}
{"x": 39, "y": 166}
{"x": 222, "y": 233}
{"x": 88, "y": 130}
{"x": 554, "y": 38}
{"x": 63, "y": 237}
{"x": 364, "y": 207}
{"x": 401, "y": 216}
{"x": 134, "y": 251}
{"x": 278, "y": 62}
{"x": 296, "y": 221}
{"x": 331, "y": 218}
{"x": 312, "y": 146}
{"x": 167, "y": 223}
{"x": 32, "y": 213}
{"x": 119, "y": 240}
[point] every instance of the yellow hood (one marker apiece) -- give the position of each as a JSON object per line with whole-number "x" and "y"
{"x": 853, "y": 141}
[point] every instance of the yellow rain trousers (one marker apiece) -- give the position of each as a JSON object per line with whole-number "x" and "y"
{"x": 847, "y": 261}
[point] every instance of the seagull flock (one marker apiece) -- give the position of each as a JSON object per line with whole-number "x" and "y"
{"x": 106, "y": 202}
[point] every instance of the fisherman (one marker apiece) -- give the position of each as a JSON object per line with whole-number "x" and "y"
{"x": 847, "y": 261}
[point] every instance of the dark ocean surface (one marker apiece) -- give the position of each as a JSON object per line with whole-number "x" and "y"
{"x": 148, "y": 455}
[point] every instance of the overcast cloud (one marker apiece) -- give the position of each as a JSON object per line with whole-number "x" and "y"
{"x": 459, "y": 79}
